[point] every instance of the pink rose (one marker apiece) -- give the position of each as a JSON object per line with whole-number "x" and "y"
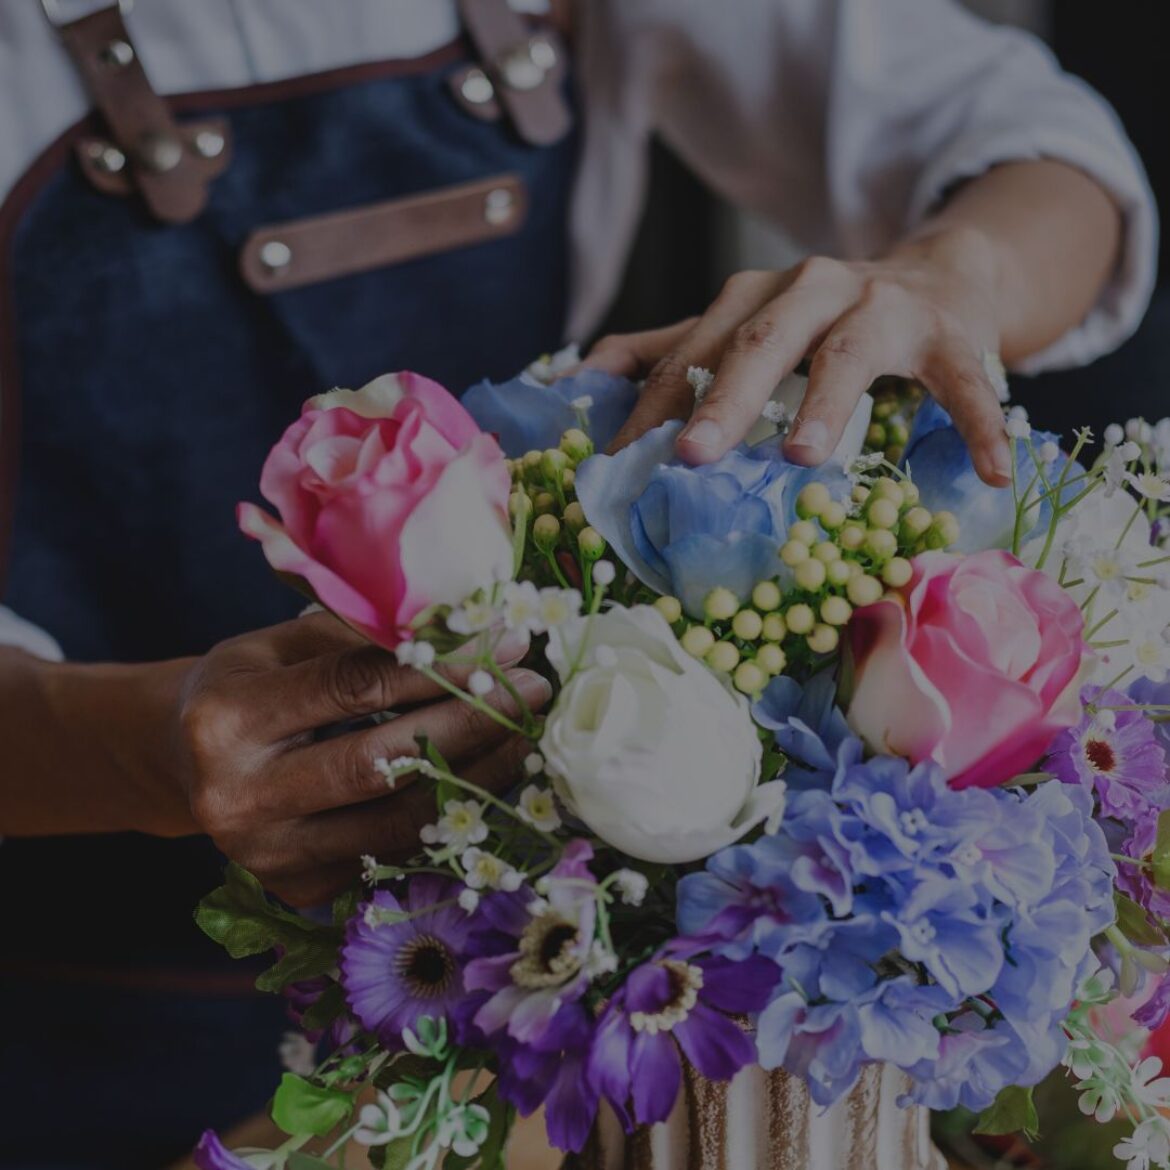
{"x": 391, "y": 500}
{"x": 975, "y": 665}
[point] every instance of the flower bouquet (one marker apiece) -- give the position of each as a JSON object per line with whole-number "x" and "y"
{"x": 851, "y": 772}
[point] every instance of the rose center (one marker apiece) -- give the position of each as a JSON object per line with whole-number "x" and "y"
{"x": 1100, "y": 755}
{"x": 547, "y": 953}
{"x": 685, "y": 983}
{"x": 426, "y": 966}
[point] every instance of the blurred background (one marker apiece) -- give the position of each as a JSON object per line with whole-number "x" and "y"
{"x": 1117, "y": 48}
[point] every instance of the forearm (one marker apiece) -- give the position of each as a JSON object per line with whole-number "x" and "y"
{"x": 1043, "y": 238}
{"x": 89, "y": 748}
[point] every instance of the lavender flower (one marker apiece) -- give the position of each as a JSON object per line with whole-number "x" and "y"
{"x": 212, "y": 1154}
{"x": 1116, "y": 754}
{"x": 396, "y": 972}
{"x": 676, "y": 1002}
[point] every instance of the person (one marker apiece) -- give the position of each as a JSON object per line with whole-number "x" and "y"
{"x": 271, "y": 200}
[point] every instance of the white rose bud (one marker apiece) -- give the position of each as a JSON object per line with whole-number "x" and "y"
{"x": 647, "y": 746}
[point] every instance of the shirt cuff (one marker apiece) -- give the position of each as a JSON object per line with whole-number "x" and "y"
{"x": 15, "y": 631}
{"x": 1116, "y": 167}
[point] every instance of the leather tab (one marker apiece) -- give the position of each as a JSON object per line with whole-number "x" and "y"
{"x": 322, "y": 247}
{"x": 525, "y": 66}
{"x": 157, "y": 154}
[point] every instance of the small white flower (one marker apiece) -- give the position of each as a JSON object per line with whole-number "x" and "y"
{"x": 538, "y": 808}
{"x": 1139, "y": 431}
{"x": 601, "y": 961}
{"x": 1049, "y": 452}
{"x": 776, "y": 413}
{"x": 538, "y": 907}
{"x": 1149, "y": 1084}
{"x": 379, "y": 1122}
{"x": 534, "y": 763}
{"x": 1114, "y": 435}
{"x": 558, "y": 605}
{"x": 369, "y": 869}
{"x": 632, "y": 886}
{"x": 1150, "y": 486}
{"x": 461, "y": 825}
{"x": 1147, "y": 1146}
{"x": 468, "y": 900}
{"x": 470, "y": 618}
{"x": 522, "y": 609}
{"x": 699, "y": 378}
{"x": 416, "y": 654}
{"x": 480, "y": 683}
{"x": 584, "y": 403}
{"x": 485, "y": 871}
{"x": 545, "y": 370}
{"x": 604, "y": 573}
{"x": 297, "y": 1054}
{"x": 393, "y": 770}
{"x": 1018, "y": 412}
{"x": 1018, "y": 428}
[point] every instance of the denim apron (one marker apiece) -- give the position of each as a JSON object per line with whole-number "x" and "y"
{"x": 153, "y": 381}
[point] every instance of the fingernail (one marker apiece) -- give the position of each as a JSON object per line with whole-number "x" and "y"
{"x": 534, "y": 688}
{"x": 512, "y": 646}
{"x": 1000, "y": 463}
{"x": 703, "y": 432}
{"x": 811, "y": 436}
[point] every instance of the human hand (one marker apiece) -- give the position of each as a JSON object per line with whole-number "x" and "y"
{"x": 927, "y": 312}
{"x": 299, "y": 812}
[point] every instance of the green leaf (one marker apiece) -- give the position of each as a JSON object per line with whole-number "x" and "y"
{"x": 299, "y": 1160}
{"x": 345, "y": 905}
{"x": 329, "y": 1005}
{"x": 300, "y": 1107}
{"x": 1134, "y": 923}
{"x": 1161, "y": 856}
{"x": 393, "y": 1156}
{"x": 245, "y": 921}
{"x": 1013, "y": 1111}
{"x": 444, "y": 790}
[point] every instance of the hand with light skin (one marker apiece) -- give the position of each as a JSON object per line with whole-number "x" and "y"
{"x": 1011, "y": 262}
{"x": 226, "y": 745}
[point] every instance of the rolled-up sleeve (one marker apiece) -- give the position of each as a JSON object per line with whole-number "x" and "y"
{"x": 876, "y": 108}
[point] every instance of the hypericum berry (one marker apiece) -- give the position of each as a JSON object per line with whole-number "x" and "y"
{"x": 794, "y": 552}
{"x": 576, "y": 444}
{"x": 800, "y": 619}
{"x": 723, "y": 656}
{"x": 882, "y": 513}
{"x": 944, "y": 531}
{"x": 545, "y": 530}
{"x": 749, "y": 678}
{"x": 827, "y": 552}
{"x": 747, "y": 624}
{"x": 812, "y": 501}
{"x": 833, "y": 516}
{"x": 720, "y": 604}
{"x": 823, "y": 639}
{"x": 553, "y": 462}
{"x": 810, "y": 574}
{"x": 864, "y": 590}
{"x": 591, "y": 542}
{"x": 766, "y": 596}
{"x": 839, "y": 573}
{"x": 875, "y": 436}
{"x": 852, "y": 536}
{"x": 836, "y": 611}
{"x": 670, "y": 608}
{"x": 771, "y": 658}
{"x": 805, "y": 531}
{"x": 890, "y": 489}
{"x": 915, "y": 524}
{"x": 910, "y": 491}
{"x": 775, "y": 628}
{"x": 881, "y": 543}
{"x": 897, "y": 572}
{"x": 697, "y": 640}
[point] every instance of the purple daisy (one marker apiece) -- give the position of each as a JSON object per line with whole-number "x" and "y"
{"x": 672, "y": 1003}
{"x": 1137, "y": 880}
{"x": 547, "y": 963}
{"x": 394, "y": 973}
{"x": 1116, "y": 754}
{"x": 212, "y": 1154}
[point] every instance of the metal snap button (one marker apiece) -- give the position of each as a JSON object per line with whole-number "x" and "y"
{"x": 477, "y": 87}
{"x": 159, "y": 152}
{"x": 275, "y": 255}
{"x": 106, "y": 157}
{"x": 209, "y": 143}
{"x": 542, "y": 52}
{"x": 498, "y": 205}
{"x": 520, "y": 71}
{"x": 117, "y": 54}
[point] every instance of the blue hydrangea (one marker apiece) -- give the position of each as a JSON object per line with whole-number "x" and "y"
{"x": 892, "y": 903}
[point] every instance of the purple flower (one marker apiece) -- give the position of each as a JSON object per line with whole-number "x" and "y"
{"x": 301, "y": 997}
{"x": 396, "y": 972}
{"x": 1156, "y": 1010}
{"x": 1151, "y": 694}
{"x": 212, "y": 1154}
{"x": 672, "y": 1003}
{"x": 1137, "y": 880}
{"x": 549, "y": 960}
{"x": 1115, "y": 753}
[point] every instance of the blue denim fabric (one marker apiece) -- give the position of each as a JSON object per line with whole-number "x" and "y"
{"x": 154, "y": 383}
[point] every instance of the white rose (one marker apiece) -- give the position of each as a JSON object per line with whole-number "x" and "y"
{"x": 646, "y": 745}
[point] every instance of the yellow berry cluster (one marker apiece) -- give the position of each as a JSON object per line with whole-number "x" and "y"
{"x": 836, "y": 559}
{"x": 544, "y": 500}
{"x": 894, "y": 403}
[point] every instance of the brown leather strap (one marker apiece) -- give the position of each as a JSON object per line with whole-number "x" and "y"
{"x": 168, "y": 167}
{"x": 525, "y": 67}
{"x": 322, "y": 247}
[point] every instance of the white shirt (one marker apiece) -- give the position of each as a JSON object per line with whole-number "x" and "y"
{"x": 841, "y": 121}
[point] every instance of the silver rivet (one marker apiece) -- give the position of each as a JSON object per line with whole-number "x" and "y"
{"x": 520, "y": 70}
{"x": 275, "y": 255}
{"x": 117, "y": 54}
{"x": 209, "y": 143}
{"x": 542, "y": 52}
{"x": 159, "y": 152}
{"x": 477, "y": 87}
{"x": 498, "y": 205}
{"x": 106, "y": 157}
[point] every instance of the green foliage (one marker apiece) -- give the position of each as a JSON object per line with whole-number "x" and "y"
{"x": 491, "y": 1154}
{"x": 1135, "y": 924}
{"x": 298, "y": 1160}
{"x": 1013, "y": 1111}
{"x": 301, "y": 1107}
{"x": 1161, "y": 856}
{"x": 325, "y": 1010}
{"x": 245, "y": 921}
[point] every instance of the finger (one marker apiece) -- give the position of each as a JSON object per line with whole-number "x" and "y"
{"x": 349, "y": 684}
{"x": 633, "y": 355}
{"x": 667, "y": 394}
{"x": 311, "y": 860}
{"x": 956, "y": 377}
{"x": 863, "y": 346}
{"x": 342, "y": 771}
{"x": 313, "y": 634}
{"x": 761, "y": 352}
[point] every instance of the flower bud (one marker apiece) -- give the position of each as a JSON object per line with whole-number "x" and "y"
{"x": 747, "y": 624}
{"x": 810, "y": 574}
{"x": 519, "y": 506}
{"x": 897, "y": 572}
{"x": 670, "y": 608}
{"x": 723, "y": 656}
{"x": 591, "y": 543}
{"x": 852, "y": 536}
{"x": 794, "y": 553}
{"x": 915, "y": 523}
{"x": 568, "y": 479}
{"x": 860, "y": 494}
{"x": 531, "y": 460}
{"x": 749, "y": 678}
{"x": 771, "y": 658}
{"x": 800, "y": 619}
{"x": 575, "y": 517}
{"x": 911, "y": 492}
{"x": 576, "y": 444}
{"x": 766, "y": 596}
{"x": 545, "y": 503}
{"x": 553, "y": 462}
{"x": 833, "y": 516}
{"x": 888, "y": 488}
{"x": 840, "y": 572}
{"x": 876, "y": 435}
{"x": 864, "y": 590}
{"x": 545, "y": 531}
{"x": 823, "y": 640}
{"x": 882, "y": 513}
{"x": 944, "y": 531}
{"x": 836, "y": 611}
{"x": 812, "y": 501}
{"x": 775, "y": 629}
{"x": 805, "y": 532}
{"x": 720, "y": 604}
{"x": 826, "y": 551}
{"x": 881, "y": 543}
{"x": 697, "y": 640}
